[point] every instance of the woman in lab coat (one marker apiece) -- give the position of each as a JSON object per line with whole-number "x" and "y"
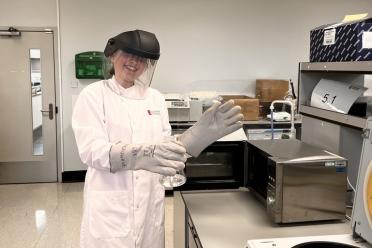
{"x": 120, "y": 126}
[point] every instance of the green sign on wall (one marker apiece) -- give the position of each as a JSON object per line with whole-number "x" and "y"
{"x": 91, "y": 65}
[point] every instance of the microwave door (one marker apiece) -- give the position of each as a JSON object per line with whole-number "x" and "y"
{"x": 220, "y": 165}
{"x": 314, "y": 189}
{"x": 210, "y": 165}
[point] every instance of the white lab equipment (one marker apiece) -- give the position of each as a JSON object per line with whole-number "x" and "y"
{"x": 292, "y": 130}
{"x": 340, "y": 241}
{"x": 280, "y": 116}
{"x": 182, "y": 108}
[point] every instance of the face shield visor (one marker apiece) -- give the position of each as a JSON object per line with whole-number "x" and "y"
{"x": 131, "y": 68}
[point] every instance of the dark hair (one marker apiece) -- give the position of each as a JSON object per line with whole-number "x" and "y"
{"x": 112, "y": 71}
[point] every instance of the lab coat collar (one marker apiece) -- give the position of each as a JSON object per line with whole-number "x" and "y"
{"x": 133, "y": 92}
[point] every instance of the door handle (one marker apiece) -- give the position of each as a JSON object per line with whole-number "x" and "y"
{"x": 50, "y": 111}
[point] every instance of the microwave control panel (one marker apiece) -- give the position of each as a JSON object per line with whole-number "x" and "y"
{"x": 272, "y": 198}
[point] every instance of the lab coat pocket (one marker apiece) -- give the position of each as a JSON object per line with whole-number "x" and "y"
{"x": 108, "y": 214}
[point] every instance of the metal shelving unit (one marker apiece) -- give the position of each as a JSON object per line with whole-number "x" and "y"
{"x": 342, "y": 119}
{"x": 311, "y": 73}
{"x": 336, "y": 132}
{"x": 364, "y": 67}
{"x": 347, "y": 135}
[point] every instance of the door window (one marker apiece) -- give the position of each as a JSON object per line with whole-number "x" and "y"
{"x": 36, "y": 104}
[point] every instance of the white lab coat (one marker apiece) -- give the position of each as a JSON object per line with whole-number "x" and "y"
{"x": 123, "y": 209}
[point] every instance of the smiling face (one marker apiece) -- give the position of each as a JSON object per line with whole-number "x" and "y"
{"x": 128, "y": 67}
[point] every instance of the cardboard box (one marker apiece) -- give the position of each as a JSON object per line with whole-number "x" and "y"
{"x": 268, "y": 90}
{"x": 250, "y": 106}
{"x": 264, "y": 109}
{"x": 350, "y": 41}
{"x": 228, "y": 97}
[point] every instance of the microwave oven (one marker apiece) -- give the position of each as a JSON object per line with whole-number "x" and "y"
{"x": 221, "y": 165}
{"x": 298, "y": 182}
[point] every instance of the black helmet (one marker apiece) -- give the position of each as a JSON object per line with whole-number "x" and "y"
{"x": 137, "y": 42}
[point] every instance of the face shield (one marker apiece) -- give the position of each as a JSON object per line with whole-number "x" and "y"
{"x": 134, "y": 55}
{"x": 131, "y": 68}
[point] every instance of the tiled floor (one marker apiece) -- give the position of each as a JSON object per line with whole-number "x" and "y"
{"x": 48, "y": 215}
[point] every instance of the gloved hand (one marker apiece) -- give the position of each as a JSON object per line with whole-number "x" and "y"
{"x": 218, "y": 121}
{"x": 164, "y": 158}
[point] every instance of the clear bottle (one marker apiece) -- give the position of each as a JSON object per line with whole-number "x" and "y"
{"x": 173, "y": 181}
{"x": 176, "y": 180}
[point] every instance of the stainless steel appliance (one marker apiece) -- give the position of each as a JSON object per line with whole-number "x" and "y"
{"x": 299, "y": 182}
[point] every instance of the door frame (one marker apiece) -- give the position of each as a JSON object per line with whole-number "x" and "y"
{"x": 57, "y": 86}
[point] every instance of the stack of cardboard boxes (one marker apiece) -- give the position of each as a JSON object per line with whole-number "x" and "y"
{"x": 267, "y": 90}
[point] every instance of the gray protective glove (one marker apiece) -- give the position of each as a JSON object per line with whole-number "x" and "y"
{"x": 164, "y": 158}
{"x": 218, "y": 121}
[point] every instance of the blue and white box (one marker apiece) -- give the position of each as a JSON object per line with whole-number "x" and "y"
{"x": 350, "y": 41}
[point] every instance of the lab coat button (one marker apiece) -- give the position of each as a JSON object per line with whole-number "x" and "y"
{"x": 137, "y": 177}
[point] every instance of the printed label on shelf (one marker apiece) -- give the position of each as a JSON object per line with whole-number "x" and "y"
{"x": 329, "y": 37}
{"x": 367, "y": 40}
{"x": 335, "y": 96}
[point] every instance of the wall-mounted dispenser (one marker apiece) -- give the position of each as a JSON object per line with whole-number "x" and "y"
{"x": 92, "y": 65}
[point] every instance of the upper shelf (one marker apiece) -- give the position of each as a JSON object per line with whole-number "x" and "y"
{"x": 364, "y": 67}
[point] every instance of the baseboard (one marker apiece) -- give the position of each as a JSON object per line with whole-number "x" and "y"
{"x": 73, "y": 176}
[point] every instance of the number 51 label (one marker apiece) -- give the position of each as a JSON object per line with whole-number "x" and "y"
{"x": 335, "y": 96}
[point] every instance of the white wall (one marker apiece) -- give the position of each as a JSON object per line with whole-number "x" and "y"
{"x": 26, "y": 13}
{"x": 211, "y": 44}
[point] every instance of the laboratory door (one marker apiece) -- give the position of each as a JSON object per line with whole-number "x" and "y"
{"x": 28, "y": 151}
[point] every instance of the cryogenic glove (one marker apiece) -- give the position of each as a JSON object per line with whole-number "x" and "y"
{"x": 163, "y": 158}
{"x": 218, "y": 121}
